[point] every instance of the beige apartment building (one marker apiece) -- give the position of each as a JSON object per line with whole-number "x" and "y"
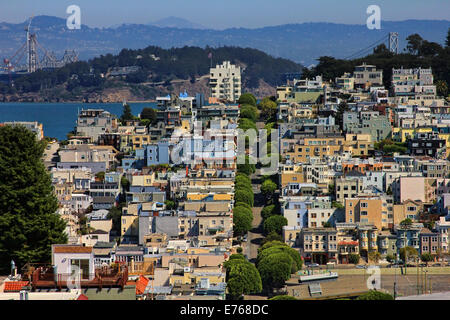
{"x": 348, "y": 187}
{"x": 225, "y": 82}
{"x": 291, "y": 173}
{"x": 89, "y": 153}
{"x": 368, "y": 239}
{"x": 367, "y": 75}
{"x": 308, "y": 148}
{"x": 359, "y": 144}
{"x": 368, "y": 210}
{"x": 408, "y": 209}
{"x": 319, "y": 244}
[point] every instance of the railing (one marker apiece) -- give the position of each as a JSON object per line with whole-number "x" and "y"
{"x": 44, "y": 277}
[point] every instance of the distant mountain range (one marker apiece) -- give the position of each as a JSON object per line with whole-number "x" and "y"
{"x": 175, "y": 22}
{"x": 302, "y": 43}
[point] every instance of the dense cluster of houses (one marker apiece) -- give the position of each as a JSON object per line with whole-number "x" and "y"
{"x": 341, "y": 191}
{"x": 363, "y": 170}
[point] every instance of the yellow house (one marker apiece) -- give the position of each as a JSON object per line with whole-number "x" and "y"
{"x": 359, "y": 144}
{"x": 283, "y": 92}
{"x": 203, "y": 196}
{"x": 317, "y": 147}
{"x": 189, "y": 277}
{"x": 130, "y": 142}
{"x": 143, "y": 180}
{"x": 403, "y": 134}
{"x": 292, "y": 173}
{"x": 129, "y": 225}
{"x": 408, "y": 209}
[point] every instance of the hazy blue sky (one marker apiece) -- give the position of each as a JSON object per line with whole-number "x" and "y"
{"x": 226, "y": 13}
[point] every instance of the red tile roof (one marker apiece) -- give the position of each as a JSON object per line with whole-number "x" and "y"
{"x": 15, "y": 286}
{"x": 82, "y": 297}
{"x": 141, "y": 284}
{"x": 72, "y": 249}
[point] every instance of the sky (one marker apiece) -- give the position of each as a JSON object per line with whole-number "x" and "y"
{"x": 221, "y": 14}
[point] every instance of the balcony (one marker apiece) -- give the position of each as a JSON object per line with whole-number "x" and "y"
{"x": 44, "y": 277}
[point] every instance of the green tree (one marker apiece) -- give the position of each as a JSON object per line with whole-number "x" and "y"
{"x": 407, "y": 253}
{"x": 244, "y": 166}
{"x": 247, "y": 98}
{"x": 447, "y": 41}
{"x": 125, "y": 183}
{"x": 375, "y": 295}
{"x": 246, "y": 124}
{"x": 268, "y": 188}
{"x": 268, "y": 211}
{"x": 430, "y": 48}
{"x": 381, "y": 49}
{"x": 240, "y": 177}
{"x": 242, "y": 223}
{"x": 426, "y": 257}
{"x": 442, "y": 88}
{"x": 406, "y": 223}
{"x": 149, "y": 114}
{"x": 342, "y": 108}
{"x": 390, "y": 258}
{"x": 29, "y": 224}
{"x": 283, "y": 297}
{"x": 414, "y": 43}
{"x": 242, "y": 204}
{"x": 242, "y": 277}
{"x": 243, "y": 186}
{"x": 244, "y": 211}
{"x": 126, "y": 114}
{"x": 115, "y": 214}
{"x": 244, "y": 196}
{"x": 275, "y": 223}
{"x": 273, "y": 236}
{"x": 249, "y": 112}
{"x": 170, "y": 205}
{"x": 353, "y": 258}
{"x": 100, "y": 175}
{"x": 276, "y": 246}
{"x": 268, "y": 108}
{"x": 336, "y": 204}
{"x": 275, "y": 269}
{"x": 374, "y": 256}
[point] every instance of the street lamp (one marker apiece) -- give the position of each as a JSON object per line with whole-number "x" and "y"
{"x": 395, "y": 274}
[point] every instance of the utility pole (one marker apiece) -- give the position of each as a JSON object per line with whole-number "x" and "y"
{"x": 426, "y": 276}
{"x": 395, "y": 280}
{"x": 417, "y": 280}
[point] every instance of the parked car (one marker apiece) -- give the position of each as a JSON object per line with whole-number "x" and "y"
{"x": 361, "y": 267}
{"x": 436, "y": 265}
{"x": 312, "y": 265}
{"x": 244, "y": 239}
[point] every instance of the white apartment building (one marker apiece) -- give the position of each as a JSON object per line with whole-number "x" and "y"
{"x": 442, "y": 227}
{"x": 225, "y": 82}
{"x": 367, "y": 75}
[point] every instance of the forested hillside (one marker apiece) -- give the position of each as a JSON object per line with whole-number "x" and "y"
{"x": 157, "y": 65}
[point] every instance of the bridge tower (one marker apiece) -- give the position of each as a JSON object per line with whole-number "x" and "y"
{"x": 393, "y": 42}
